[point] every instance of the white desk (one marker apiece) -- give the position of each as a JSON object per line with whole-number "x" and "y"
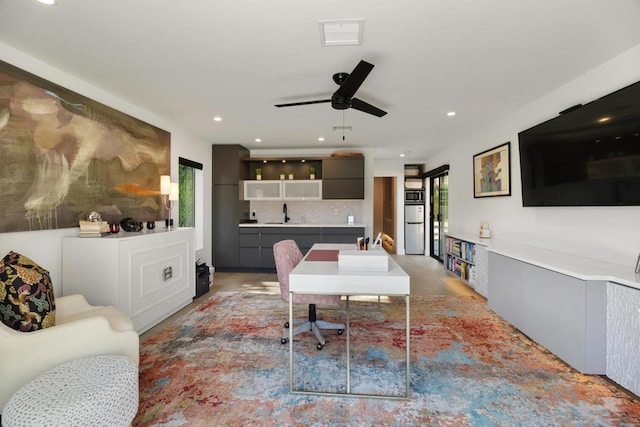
{"x": 323, "y": 277}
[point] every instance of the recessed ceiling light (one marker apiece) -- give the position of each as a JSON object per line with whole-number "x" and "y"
{"x": 341, "y": 32}
{"x": 321, "y": 139}
{"x": 451, "y": 113}
{"x": 48, "y": 2}
{"x": 258, "y": 140}
{"x": 402, "y": 155}
{"x": 604, "y": 119}
{"x": 217, "y": 119}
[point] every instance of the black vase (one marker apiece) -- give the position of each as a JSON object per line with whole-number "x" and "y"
{"x": 151, "y": 225}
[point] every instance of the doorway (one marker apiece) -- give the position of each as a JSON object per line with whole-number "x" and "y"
{"x": 384, "y": 211}
{"x": 438, "y": 210}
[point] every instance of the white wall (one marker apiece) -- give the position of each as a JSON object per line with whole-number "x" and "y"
{"x": 609, "y": 234}
{"x": 44, "y": 247}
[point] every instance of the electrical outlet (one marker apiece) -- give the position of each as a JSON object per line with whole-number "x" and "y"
{"x": 336, "y": 211}
{"x": 167, "y": 273}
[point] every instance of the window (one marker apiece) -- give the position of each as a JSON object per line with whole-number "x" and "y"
{"x": 191, "y": 197}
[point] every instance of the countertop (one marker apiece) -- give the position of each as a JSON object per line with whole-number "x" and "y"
{"x": 571, "y": 265}
{"x": 293, "y": 224}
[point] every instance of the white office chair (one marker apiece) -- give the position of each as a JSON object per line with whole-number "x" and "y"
{"x": 287, "y": 255}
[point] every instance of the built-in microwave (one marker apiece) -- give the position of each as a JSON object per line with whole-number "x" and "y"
{"x": 414, "y": 196}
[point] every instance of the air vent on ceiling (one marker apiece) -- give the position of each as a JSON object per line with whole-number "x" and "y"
{"x": 341, "y": 32}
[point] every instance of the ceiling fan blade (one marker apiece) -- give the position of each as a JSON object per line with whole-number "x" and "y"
{"x": 366, "y": 107}
{"x": 355, "y": 79}
{"x": 293, "y": 104}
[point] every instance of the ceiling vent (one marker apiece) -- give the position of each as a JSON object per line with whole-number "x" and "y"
{"x": 341, "y": 32}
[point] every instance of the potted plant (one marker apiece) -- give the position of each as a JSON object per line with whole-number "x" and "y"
{"x": 290, "y": 173}
{"x": 312, "y": 172}
{"x": 258, "y": 174}
{"x": 282, "y": 174}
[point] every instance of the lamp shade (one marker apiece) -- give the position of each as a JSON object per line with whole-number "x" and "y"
{"x": 175, "y": 191}
{"x": 165, "y": 184}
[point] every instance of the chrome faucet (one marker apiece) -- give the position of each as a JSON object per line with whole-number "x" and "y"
{"x": 284, "y": 211}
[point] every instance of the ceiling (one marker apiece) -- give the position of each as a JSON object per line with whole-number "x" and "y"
{"x": 189, "y": 61}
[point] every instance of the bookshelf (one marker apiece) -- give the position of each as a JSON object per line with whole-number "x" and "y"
{"x": 467, "y": 258}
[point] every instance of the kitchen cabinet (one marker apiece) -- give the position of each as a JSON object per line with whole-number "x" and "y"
{"x": 228, "y": 210}
{"x": 256, "y": 243}
{"x": 262, "y": 190}
{"x": 343, "y": 178}
{"x": 307, "y": 189}
{"x": 147, "y": 275}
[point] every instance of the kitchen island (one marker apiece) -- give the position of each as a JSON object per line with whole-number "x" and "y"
{"x": 257, "y": 240}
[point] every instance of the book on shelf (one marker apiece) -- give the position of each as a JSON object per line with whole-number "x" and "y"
{"x": 94, "y": 226}
{"x": 94, "y": 233}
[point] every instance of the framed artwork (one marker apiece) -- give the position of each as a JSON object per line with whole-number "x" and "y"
{"x": 492, "y": 172}
{"x": 64, "y": 155}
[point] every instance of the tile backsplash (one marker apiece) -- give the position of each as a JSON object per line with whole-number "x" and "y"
{"x": 308, "y": 212}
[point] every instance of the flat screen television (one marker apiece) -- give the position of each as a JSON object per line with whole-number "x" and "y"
{"x": 587, "y": 156}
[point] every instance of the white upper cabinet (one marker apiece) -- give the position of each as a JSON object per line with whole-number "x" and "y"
{"x": 262, "y": 190}
{"x": 308, "y": 189}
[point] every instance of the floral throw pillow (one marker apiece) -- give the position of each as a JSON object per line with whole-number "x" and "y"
{"x": 26, "y": 295}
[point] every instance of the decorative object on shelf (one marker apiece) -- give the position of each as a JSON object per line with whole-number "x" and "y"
{"x": 485, "y": 231}
{"x": 114, "y": 228}
{"x": 312, "y": 172}
{"x": 282, "y": 175}
{"x": 492, "y": 172}
{"x": 169, "y": 192}
{"x": 130, "y": 225}
{"x": 258, "y": 174}
{"x": 151, "y": 225}
{"x": 290, "y": 173}
{"x": 94, "y": 216}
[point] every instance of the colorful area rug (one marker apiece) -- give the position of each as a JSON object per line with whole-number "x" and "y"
{"x": 222, "y": 364}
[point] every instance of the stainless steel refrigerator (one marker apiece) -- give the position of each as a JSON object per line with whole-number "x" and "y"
{"x": 414, "y": 229}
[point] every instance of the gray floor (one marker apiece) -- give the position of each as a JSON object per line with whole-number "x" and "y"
{"x": 428, "y": 277}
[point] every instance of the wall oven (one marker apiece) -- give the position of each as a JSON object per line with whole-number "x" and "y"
{"x": 414, "y": 197}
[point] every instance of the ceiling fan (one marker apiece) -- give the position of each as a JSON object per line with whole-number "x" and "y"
{"x": 343, "y": 99}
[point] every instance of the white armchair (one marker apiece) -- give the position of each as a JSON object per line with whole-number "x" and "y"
{"x": 81, "y": 330}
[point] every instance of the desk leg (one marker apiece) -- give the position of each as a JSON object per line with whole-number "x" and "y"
{"x": 408, "y": 356}
{"x": 348, "y": 347}
{"x": 290, "y": 341}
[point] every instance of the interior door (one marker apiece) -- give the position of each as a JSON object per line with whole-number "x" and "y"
{"x": 438, "y": 213}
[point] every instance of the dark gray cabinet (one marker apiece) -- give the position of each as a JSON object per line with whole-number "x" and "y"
{"x": 228, "y": 210}
{"x": 343, "y": 178}
{"x": 342, "y": 235}
{"x": 256, "y": 243}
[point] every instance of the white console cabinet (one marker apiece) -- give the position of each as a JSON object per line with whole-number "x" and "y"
{"x": 149, "y": 275}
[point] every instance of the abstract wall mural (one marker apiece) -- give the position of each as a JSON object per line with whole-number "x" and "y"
{"x": 63, "y": 155}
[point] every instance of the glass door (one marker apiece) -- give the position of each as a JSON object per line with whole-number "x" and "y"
{"x": 438, "y": 213}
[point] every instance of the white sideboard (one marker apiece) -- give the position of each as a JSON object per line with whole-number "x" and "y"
{"x": 149, "y": 275}
{"x": 585, "y": 311}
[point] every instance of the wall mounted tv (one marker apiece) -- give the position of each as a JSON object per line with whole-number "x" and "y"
{"x": 587, "y": 156}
